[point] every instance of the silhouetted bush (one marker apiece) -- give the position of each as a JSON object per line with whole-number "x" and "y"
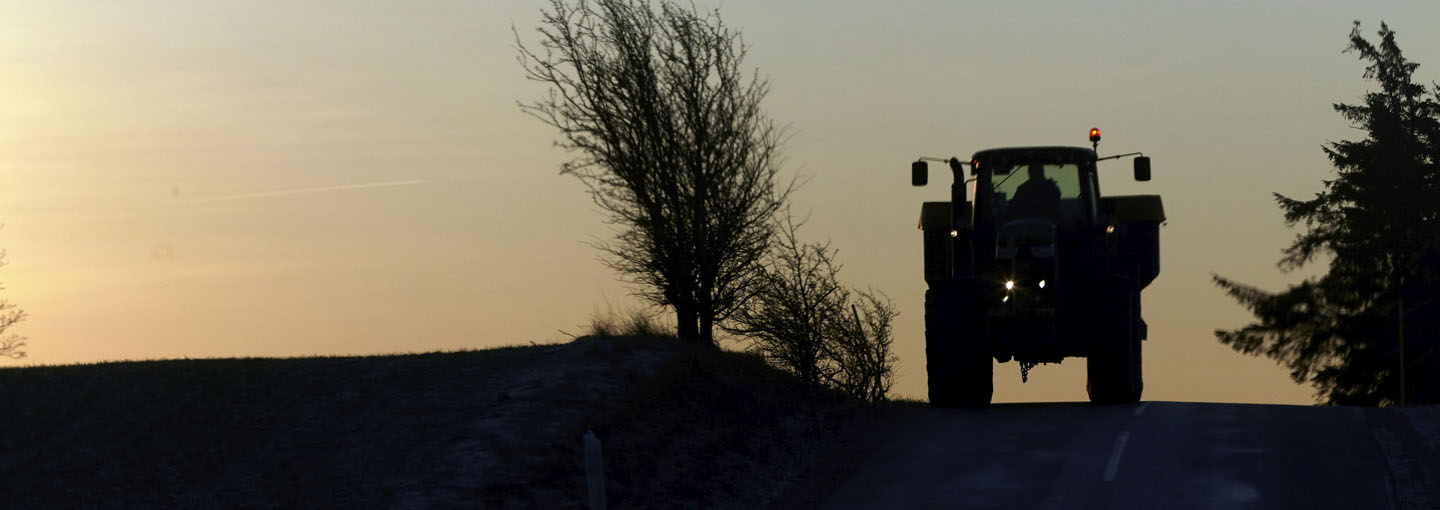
{"x": 804, "y": 321}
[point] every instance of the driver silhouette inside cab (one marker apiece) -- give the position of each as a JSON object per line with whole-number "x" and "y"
{"x": 1038, "y": 197}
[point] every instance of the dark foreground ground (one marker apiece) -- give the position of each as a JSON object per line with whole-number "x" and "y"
{"x": 682, "y": 427}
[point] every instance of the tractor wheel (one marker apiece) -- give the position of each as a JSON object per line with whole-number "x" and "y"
{"x": 957, "y": 361}
{"x": 1113, "y": 365}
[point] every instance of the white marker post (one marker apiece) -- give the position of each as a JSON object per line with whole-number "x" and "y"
{"x": 594, "y": 471}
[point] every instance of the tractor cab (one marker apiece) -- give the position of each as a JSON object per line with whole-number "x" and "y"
{"x": 1028, "y": 202}
{"x": 1051, "y": 185}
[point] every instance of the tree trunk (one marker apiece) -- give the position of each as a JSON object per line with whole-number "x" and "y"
{"x": 809, "y": 371}
{"x": 686, "y": 323}
{"x": 707, "y": 328}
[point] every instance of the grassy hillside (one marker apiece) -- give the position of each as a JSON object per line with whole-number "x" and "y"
{"x": 681, "y": 426}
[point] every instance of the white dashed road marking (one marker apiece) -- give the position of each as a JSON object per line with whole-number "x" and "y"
{"x": 1140, "y": 409}
{"x": 1115, "y": 456}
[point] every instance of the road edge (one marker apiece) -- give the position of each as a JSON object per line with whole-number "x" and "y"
{"x": 852, "y": 448}
{"x": 1407, "y": 456}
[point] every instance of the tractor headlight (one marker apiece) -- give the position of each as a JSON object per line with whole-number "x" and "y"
{"x": 1009, "y": 284}
{"x": 1042, "y": 284}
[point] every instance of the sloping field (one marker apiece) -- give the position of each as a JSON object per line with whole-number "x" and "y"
{"x": 502, "y": 428}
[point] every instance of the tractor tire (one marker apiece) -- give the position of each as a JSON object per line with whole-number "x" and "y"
{"x": 1113, "y": 366}
{"x": 957, "y": 360}
{"x": 941, "y": 353}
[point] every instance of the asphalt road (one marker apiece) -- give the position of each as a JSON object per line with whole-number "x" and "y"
{"x": 1149, "y": 455}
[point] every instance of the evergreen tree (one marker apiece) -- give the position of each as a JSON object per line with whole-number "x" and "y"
{"x": 1377, "y": 222}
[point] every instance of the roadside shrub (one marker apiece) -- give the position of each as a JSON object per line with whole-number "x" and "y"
{"x": 802, "y": 320}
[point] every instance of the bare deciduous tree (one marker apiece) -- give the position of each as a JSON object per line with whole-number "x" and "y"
{"x": 672, "y": 145}
{"x": 12, "y": 345}
{"x": 804, "y": 321}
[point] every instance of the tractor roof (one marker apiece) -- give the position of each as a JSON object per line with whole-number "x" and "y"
{"x": 1033, "y": 153}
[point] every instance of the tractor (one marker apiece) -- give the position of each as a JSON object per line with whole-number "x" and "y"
{"x": 1038, "y": 266}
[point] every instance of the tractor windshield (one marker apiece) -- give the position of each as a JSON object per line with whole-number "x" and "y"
{"x": 1046, "y": 191}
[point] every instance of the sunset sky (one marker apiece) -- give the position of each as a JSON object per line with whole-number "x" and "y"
{"x": 203, "y": 179}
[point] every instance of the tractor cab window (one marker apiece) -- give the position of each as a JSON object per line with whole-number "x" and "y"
{"x": 1037, "y": 191}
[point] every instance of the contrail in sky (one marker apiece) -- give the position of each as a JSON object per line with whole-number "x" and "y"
{"x": 307, "y": 191}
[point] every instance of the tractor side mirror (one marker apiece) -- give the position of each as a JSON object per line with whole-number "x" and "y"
{"x": 1142, "y": 168}
{"x": 919, "y": 173}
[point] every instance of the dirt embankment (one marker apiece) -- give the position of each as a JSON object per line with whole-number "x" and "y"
{"x": 681, "y": 426}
